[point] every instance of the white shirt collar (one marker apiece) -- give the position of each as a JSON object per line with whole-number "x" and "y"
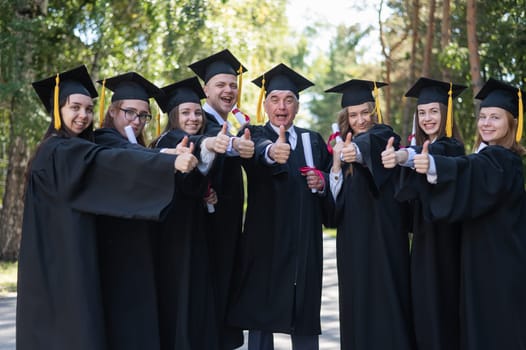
{"x": 207, "y": 108}
{"x": 292, "y": 134}
{"x": 481, "y": 147}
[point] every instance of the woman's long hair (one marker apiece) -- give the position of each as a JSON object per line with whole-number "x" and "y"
{"x": 508, "y": 141}
{"x": 422, "y": 137}
{"x": 108, "y": 119}
{"x": 345, "y": 127}
{"x": 343, "y": 119}
{"x": 173, "y": 124}
{"x": 86, "y": 134}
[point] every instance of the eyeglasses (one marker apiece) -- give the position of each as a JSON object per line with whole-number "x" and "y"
{"x": 130, "y": 115}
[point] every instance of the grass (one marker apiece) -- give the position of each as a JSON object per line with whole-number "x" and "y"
{"x": 8, "y": 276}
{"x": 330, "y": 231}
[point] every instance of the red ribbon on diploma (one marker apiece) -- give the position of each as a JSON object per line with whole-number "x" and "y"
{"x": 304, "y": 170}
{"x": 333, "y": 137}
{"x": 240, "y": 115}
{"x": 209, "y": 207}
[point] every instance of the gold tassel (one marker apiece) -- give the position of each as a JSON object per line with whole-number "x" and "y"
{"x": 449, "y": 117}
{"x": 239, "y": 85}
{"x": 520, "y": 118}
{"x": 158, "y": 122}
{"x": 259, "y": 115}
{"x": 101, "y": 105}
{"x": 377, "y": 104}
{"x": 56, "y": 111}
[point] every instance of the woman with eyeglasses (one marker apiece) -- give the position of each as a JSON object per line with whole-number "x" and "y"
{"x": 128, "y": 248}
{"x": 70, "y": 181}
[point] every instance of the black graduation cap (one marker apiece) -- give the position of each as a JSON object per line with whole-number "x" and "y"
{"x": 430, "y": 90}
{"x": 74, "y": 81}
{"x": 130, "y": 86}
{"x": 356, "y": 91}
{"x": 187, "y": 90}
{"x": 496, "y": 93}
{"x": 282, "y": 77}
{"x": 222, "y": 62}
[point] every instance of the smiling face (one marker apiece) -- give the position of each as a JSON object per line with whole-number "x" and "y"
{"x": 360, "y": 118}
{"x": 136, "y": 107}
{"x": 221, "y": 93}
{"x": 190, "y": 117}
{"x": 281, "y": 107}
{"x": 77, "y": 113}
{"x": 493, "y": 125}
{"x": 429, "y": 118}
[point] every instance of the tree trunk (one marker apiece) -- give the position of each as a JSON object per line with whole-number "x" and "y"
{"x": 428, "y": 51}
{"x": 388, "y": 54}
{"x": 473, "y": 48}
{"x": 407, "y": 114}
{"x": 446, "y": 36}
{"x": 387, "y": 66}
{"x": 16, "y": 66}
{"x": 12, "y": 212}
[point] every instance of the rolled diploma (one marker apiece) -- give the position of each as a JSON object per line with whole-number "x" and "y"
{"x": 129, "y": 134}
{"x": 240, "y": 116}
{"x": 336, "y": 129}
{"x": 307, "y": 151}
{"x": 210, "y": 208}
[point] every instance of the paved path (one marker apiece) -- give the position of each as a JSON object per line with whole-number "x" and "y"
{"x": 7, "y": 323}
{"x": 330, "y": 337}
{"x": 329, "y": 340}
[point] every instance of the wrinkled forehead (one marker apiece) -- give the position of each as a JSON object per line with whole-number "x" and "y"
{"x": 282, "y": 94}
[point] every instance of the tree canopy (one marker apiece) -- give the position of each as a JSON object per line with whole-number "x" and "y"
{"x": 159, "y": 38}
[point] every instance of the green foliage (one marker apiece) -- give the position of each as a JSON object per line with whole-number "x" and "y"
{"x": 502, "y": 31}
{"x": 340, "y": 64}
{"x": 8, "y": 277}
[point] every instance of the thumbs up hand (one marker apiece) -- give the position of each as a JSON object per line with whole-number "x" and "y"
{"x": 422, "y": 159}
{"x": 244, "y": 145}
{"x": 219, "y": 143}
{"x": 389, "y": 155}
{"x": 348, "y": 152}
{"x": 182, "y": 147}
{"x": 280, "y": 150}
{"x": 186, "y": 162}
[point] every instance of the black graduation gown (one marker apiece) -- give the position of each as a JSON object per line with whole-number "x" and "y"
{"x": 279, "y": 285}
{"x": 372, "y": 248}
{"x": 486, "y": 192}
{"x": 59, "y": 303}
{"x": 186, "y": 295}
{"x": 224, "y": 231}
{"x": 435, "y": 262}
{"x": 127, "y": 258}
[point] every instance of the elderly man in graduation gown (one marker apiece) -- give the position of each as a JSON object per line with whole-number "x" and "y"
{"x": 279, "y": 286}
{"x": 219, "y": 73}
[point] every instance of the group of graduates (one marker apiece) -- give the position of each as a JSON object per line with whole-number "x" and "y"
{"x": 129, "y": 245}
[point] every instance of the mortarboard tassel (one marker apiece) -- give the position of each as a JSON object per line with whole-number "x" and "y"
{"x": 377, "y": 104}
{"x": 239, "y": 85}
{"x": 520, "y": 118}
{"x": 101, "y": 105}
{"x": 56, "y": 112}
{"x": 259, "y": 115}
{"x": 158, "y": 117}
{"x": 449, "y": 117}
